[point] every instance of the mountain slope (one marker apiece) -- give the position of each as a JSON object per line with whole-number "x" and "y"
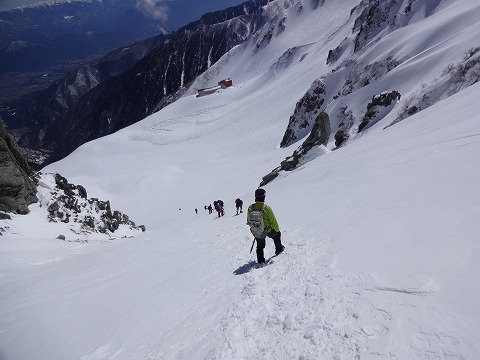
{"x": 31, "y": 116}
{"x": 380, "y": 233}
{"x": 148, "y": 86}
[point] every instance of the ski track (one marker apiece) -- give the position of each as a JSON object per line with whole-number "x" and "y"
{"x": 299, "y": 306}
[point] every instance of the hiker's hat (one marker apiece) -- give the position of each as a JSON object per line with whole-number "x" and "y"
{"x": 259, "y": 195}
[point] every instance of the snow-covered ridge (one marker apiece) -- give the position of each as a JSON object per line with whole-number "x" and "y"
{"x": 372, "y": 54}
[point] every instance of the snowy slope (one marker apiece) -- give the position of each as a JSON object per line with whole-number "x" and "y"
{"x": 381, "y": 235}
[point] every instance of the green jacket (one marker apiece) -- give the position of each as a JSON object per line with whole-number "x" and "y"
{"x": 271, "y": 224}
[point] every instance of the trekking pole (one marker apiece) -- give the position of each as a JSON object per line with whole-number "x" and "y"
{"x": 252, "y": 245}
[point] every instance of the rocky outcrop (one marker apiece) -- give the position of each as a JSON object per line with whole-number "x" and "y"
{"x": 17, "y": 185}
{"x": 306, "y": 110}
{"x": 68, "y": 203}
{"x": 340, "y": 137}
{"x": 376, "y": 16}
{"x": 359, "y": 75}
{"x": 64, "y": 202}
{"x": 318, "y": 136}
{"x": 378, "y": 108}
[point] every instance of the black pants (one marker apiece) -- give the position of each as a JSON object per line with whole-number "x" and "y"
{"x": 276, "y": 236}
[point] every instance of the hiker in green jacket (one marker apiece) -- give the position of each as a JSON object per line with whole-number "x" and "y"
{"x": 272, "y": 230}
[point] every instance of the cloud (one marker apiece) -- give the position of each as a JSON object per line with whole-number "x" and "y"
{"x": 156, "y": 9}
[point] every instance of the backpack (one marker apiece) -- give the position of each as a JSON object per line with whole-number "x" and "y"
{"x": 256, "y": 223}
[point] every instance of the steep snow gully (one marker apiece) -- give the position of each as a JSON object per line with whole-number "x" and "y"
{"x": 287, "y": 311}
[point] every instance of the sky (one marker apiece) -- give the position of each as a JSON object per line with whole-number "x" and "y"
{"x": 11, "y": 4}
{"x": 380, "y": 235}
{"x": 173, "y": 14}
{"x": 155, "y": 8}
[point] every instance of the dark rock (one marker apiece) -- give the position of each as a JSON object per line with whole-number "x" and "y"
{"x": 320, "y": 132}
{"x": 340, "y": 137}
{"x": 63, "y": 184}
{"x": 306, "y": 109}
{"x": 81, "y": 191}
{"x": 5, "y": 216}
{"x": 335, "y": 54}
{"x": 54, "y": 207}
{"x": 412, "y": 110}
{"x": 318, "y": 136}
{"x": 373, "y": 19}
{"x": 379, "y": 101}
{"x": 89, "y": 221}
{"x": 17, "y": 185}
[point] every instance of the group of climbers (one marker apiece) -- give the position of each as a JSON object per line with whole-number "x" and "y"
{"x": 219, "y": 207}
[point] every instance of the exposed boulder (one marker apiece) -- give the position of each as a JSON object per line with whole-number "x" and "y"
{"x": 317, "y": 139}
{"x": 335, "y": 54}
{"x": 340, "y": 137}
{"x": 378, "y": 108}
{"x": 17, "y": 185}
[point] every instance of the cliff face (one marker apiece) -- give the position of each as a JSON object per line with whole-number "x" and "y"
{"x": 17, "y": 187}
{"x": 61, "y": 201}
{"x": 31, "y": 117}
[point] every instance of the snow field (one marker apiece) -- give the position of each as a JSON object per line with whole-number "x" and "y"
{"x": 381, "y": 235}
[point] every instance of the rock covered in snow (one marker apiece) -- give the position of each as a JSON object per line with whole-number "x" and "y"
{"x": 68, "y": 203}
{"x": 306, "y": 111}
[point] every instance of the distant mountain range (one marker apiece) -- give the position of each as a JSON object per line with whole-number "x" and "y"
{"x": 103, "y": 96}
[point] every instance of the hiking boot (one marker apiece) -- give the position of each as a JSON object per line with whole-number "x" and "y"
{"x": 279, "y": 251}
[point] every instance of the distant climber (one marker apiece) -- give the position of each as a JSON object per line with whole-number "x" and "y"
{"x": 219, "y": 207}
{"x": 238, "y": 205}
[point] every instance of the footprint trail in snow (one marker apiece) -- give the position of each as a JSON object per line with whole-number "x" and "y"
{"x": 300, "y": 306}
